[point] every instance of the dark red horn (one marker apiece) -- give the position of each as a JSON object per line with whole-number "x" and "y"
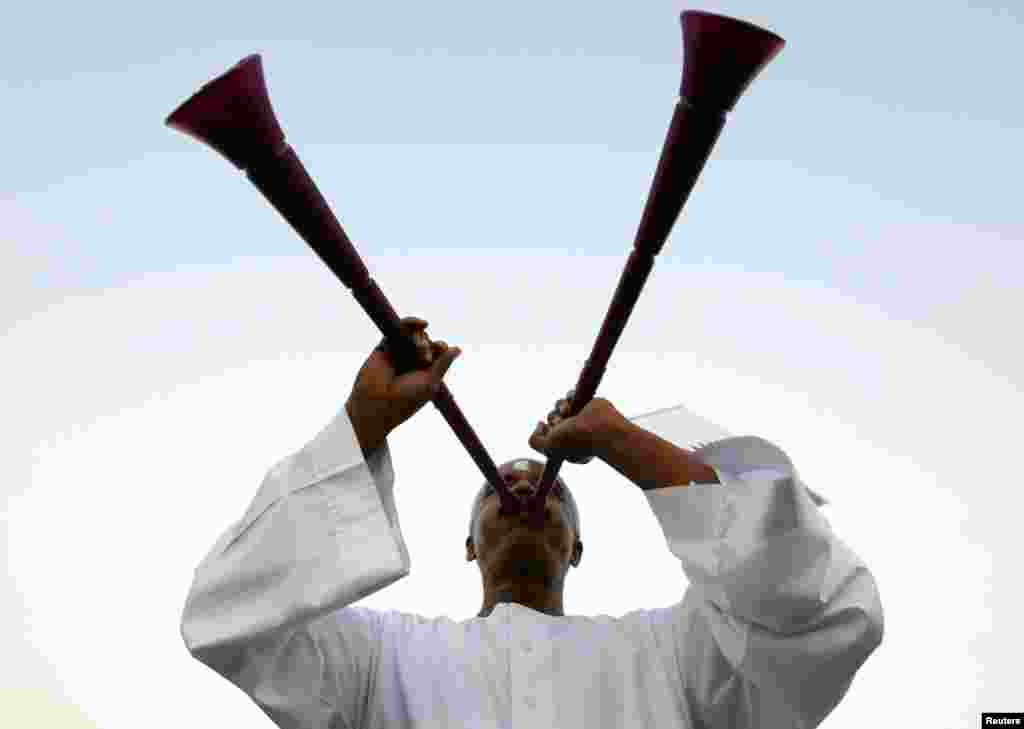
{"x": 232, "y": 114}
{"x": 721, "y": 56}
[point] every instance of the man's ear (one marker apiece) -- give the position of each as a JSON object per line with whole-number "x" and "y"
{"x": 470, "y": 550}
{"x": 577, "y": 554}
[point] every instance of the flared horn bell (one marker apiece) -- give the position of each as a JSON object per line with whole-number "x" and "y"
{"x": 721, "y": 56}
{"x": 233, "y": 115}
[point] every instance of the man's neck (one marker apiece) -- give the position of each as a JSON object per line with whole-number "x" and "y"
{"x": 549, "y": 602}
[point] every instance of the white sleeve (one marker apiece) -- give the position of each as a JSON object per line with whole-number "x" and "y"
{"x": 266, "y": 608}
{"x": 780, "y": 613}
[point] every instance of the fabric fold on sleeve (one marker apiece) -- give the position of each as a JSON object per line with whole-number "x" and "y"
{"x": 792, "y": 609}
{"x": 756, "y": 543}
{"x": 321, "y": 533}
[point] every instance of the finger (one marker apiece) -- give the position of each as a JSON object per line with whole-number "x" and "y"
{"x": 415, "y": 329}
{"x": 442, "y": 364}
{"x": 538, "y": 438}
{"x": 424, "y": 347}
{"x": 438, "y": 350}
{"x": 410, "y": 325}
{"x": 563, "y": 407}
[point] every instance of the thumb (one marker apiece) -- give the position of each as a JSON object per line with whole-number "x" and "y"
{"x": 440, "y": 366}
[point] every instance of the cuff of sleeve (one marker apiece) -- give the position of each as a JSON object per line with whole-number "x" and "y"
{"x": 701, "y": 512}
{"x": 334, "y": 449}
{"x": 383, "y": 472}
{"x": 739, "y": 455}
{"x": 750, "y": 539}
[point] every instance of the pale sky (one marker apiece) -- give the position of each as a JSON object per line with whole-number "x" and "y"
{"x": 841, "y": 282}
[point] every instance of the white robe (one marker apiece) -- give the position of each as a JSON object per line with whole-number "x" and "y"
{"x": 778, "y": 616}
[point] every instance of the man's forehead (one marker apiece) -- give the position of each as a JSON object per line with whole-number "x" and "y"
{"x": 522, "y": 465}
{"x": 533, "y": 470}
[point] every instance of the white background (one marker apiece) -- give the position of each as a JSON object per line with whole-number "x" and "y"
{"x": 843, "y": 281}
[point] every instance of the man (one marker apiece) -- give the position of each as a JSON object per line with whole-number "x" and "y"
{"x": 520, "y": 566}
{"x": 778, "y": 616}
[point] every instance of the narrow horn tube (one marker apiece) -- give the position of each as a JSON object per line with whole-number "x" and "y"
{"x": 232, "y": 114}
{"x": 721, "y": 56}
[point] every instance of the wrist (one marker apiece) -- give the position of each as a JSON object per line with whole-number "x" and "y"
{"x": 370, "y": 435}
{"x": 610, "y": 438}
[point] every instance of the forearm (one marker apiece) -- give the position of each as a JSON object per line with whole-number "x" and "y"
{"x": 649, "y": 461}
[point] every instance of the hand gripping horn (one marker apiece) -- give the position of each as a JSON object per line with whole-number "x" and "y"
{"x": 721, "y": 56}
{"x": 232, "y": 114}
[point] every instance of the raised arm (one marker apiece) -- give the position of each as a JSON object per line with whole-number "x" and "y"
{"x": 778, "y": 613}
{"x": 600, "y": 430}
{"x": 268, "y": 608}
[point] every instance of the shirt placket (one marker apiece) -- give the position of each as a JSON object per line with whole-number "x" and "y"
{"x": 530, "y": 678}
